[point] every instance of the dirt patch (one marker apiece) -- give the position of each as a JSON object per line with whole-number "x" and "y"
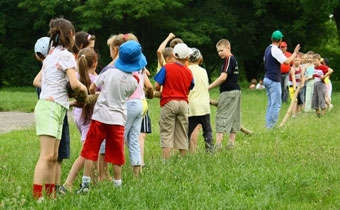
{"x": 15, "y": 120}
{"x": 19, "y": 120}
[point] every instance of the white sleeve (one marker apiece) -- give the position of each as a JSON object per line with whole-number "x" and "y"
{"x": 278, "y": 54}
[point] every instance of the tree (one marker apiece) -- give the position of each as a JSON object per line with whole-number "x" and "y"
{"x": 247, "y": 24}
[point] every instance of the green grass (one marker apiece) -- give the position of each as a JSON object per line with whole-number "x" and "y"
{"x": 293, "y": 167}
{"x": 18, "y": 99}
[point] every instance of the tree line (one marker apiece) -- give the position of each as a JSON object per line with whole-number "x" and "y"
{"x": 246, "y": 24}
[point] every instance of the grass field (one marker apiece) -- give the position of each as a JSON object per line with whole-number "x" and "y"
{"x": 293, "y": 167}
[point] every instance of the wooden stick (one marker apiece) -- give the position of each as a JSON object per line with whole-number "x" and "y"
{"x": 289, "y": 111}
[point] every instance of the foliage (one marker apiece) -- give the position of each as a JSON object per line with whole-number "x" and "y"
{"x": 247, "y": 24}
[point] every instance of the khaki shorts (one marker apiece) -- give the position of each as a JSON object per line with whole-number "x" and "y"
{"x": 174, "y": 125}
{"x": 228, "y": 114}
{"x": 49, "y": 117}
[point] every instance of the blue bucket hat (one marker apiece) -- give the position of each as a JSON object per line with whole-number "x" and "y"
{"x": 131, "y": 57}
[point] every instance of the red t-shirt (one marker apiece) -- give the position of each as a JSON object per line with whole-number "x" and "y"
{"x": 285, "y": 67}
{"x": 177, "y": 83}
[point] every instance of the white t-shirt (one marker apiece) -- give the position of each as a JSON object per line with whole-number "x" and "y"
{"x": 116, "y": 87}
{"x": 54, "y": 78}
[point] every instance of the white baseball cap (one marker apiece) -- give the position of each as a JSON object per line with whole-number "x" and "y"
{"x": 182, "y": 51}
{"x": 42, "y": 45}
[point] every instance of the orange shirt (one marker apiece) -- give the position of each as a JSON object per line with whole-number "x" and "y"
{"x": 285, "y": 67}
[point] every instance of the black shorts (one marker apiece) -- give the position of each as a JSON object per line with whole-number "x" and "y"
{"x": 146, "y": 124}
{"x": 64, "y": 146}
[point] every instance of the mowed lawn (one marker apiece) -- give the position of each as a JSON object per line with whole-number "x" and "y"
{"x": 296, "y": 166}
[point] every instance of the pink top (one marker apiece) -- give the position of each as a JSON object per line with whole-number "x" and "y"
{"x": 139, "y": 92}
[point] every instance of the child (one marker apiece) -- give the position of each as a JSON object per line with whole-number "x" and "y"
{"x": 176, "y": 81}
{"x": 135, "y": 113}
{"x": 87, "y": 64}
{"x": 199, "y": 107}
{"x": 296, "y": 79}
{"x": 260, "y": 85}
{"x": 252, "y": 85}
{"x": 109, "y": 115}
{"x": 82, "y": 40}
{"x": 320, "y": 73}
{"x": 228, "y": 114}
{"x": 41, "y": 51}
{"x": 58, "y": 68}
{"x": 309, "y": 80}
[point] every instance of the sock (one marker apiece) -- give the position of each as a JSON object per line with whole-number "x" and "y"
{"x": 49, "y": 188}
{"x": 37, "y": 191}
{"x": 86, "y": 179}
{"x": 117, "y": 182}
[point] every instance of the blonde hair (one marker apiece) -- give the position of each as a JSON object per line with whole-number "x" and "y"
{"x": 117, "y": 40}
{"x": 223, "y": 42}
{"x": 168, "y": 52}
{"x": 317, "y": 56}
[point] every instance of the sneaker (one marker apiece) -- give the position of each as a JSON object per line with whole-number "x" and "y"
{"x": 84, "y": 188}
{"x": 61, "y": 191}
{"x": 117, "y": 184}
{"x": 209, "y": 147}
{"x": 218, "y": 146}
{"x": 230, "y": 145}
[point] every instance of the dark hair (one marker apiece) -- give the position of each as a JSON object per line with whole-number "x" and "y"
{"x": 82, "y": 39}
{"x": 175, "y": 41}
{"x": 40, "y": 55}
{"x": 61, "y": 33}
{"x": 86, "y": 59}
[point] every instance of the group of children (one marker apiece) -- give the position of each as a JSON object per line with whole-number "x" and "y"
{"x": 110, "y": 108}
{"x": 310, "y": 75}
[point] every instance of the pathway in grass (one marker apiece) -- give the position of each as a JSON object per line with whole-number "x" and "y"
{"x": 19, "y": 120}
{"x": 15, "y": 120}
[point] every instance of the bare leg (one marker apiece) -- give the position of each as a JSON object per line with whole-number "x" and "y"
{"x": 194, "y": 139}
{"x": 232, "y": 138}
{"x": 117, "y": 172}
{"x": 166, "y": 152}
{"x": 142, "y": 137}
{"x": 45, "y": 169}
{"x": 182, "y": 152}
{"x": 219, "y": 139}
{"x": 136, "y": 170}
{"x": 104, "y": 173}
{"x": 76, "y": 167}
{"x": 58, "y": 172}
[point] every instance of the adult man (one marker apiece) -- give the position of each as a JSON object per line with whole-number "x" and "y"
{"x": 285, "y": 72}
{"x": 273, "y": 58}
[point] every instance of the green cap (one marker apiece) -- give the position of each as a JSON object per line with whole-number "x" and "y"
{"x": 277, "y": 35}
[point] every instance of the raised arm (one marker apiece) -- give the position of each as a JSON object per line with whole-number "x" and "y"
{"x": 162, "y": 47}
